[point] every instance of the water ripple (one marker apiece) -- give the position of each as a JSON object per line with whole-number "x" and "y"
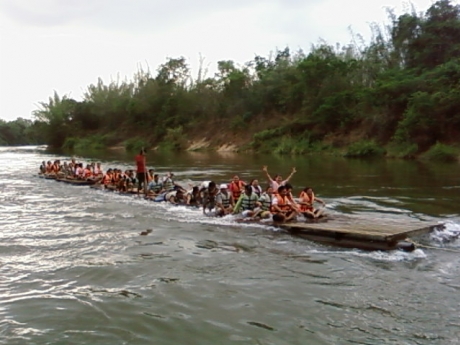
{"x": 75, "y": 269}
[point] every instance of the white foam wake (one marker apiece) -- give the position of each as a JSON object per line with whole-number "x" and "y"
{"x": 448, "y": 234}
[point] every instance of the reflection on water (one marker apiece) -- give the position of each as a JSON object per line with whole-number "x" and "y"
{"x": 74, "y": 268}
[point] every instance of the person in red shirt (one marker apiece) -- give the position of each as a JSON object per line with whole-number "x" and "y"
{"x": 141, "y": 170}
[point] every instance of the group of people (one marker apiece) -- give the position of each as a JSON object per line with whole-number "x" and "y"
{"x": 72, "y": 169}
{"x": 253, "y": 202}
{"x": 276, "y": 201}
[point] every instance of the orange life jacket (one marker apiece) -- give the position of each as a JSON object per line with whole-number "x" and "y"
{"x": 283, "y": 204}
{"x": 107, "y": 179}
{"x": 236, "y": 189}
{"x": 87, "y": 173}
{"x": 305, "y": 198}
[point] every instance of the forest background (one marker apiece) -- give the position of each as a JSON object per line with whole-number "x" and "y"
{"x": 397, "y": 96}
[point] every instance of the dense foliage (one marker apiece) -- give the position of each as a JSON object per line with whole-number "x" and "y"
{"x": 400, "y": 90}
{"x": 21, "y": 132}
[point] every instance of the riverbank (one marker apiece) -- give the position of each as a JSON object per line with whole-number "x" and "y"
{"x": 266, "y": 142}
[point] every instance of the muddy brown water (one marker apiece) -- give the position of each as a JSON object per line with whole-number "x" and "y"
{"x": 74, "y": 268}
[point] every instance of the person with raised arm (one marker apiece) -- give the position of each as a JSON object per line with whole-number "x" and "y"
{"x": 277, "y": 181}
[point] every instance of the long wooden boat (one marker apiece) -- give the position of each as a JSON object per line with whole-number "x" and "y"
{"x": 47, "y": 176}
{"x": 77, "y": 182}
{"x": 73, "y": 181}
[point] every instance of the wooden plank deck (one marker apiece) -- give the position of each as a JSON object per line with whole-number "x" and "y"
{"x": 362, "y": 229}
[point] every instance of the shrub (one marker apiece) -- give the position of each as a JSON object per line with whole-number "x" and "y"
{"x": 290, "y": 145}
{"x": 441, "y": 153}
{"x": 402, "y": 150}
{"x": 174, "y": 139}
{"x": 69, "y": 143}
{"x": 238, "y": 123}
{"x": 135, "y": 144}
{"x": 364, "y": 148}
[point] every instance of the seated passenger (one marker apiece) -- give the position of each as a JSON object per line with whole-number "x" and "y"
{"x": 97, "y": 170}
{"x": 155, "y": 187}
{"x": 43, "y": 167}
{"x": 282, "y": 209}
{"x": 87, "y": 173}
{"x": 122, "y": 183}
{"x": 107, "y": 179}
{"x": 65, "y": 169}
{"x": 256, "y": 188}
{"x": 79, "y": 172}
{"x": 307, "y": 200}
{"x": 168, "y": 182}
{"x": 130, "y": 180}
{"x": 194, "y": 197}
{"x": 150, "y": 175}
{"x": 264, "y": 204}
{"x": 247, "y": 202}
{"x": 176, "y": 197}
{"x": 291, "y": 197}
{"x": 49, "y": 167}
{"x": 224, "y": 201}
{"x": 56, "y": 167}
{"x": 209, "y": 198}
{"x": 236, "y": 187}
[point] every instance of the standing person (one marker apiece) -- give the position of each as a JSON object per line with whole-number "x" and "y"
{"x": 141, "y": 171}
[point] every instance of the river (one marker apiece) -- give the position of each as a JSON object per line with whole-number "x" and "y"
{"x": 74, "y": 268}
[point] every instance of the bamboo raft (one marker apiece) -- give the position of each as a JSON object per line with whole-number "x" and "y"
{"x": 342, "y": 231}
{"x": 362, "y": 233}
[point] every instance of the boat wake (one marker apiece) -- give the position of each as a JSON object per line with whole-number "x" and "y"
{"x": 448, "y": 234}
